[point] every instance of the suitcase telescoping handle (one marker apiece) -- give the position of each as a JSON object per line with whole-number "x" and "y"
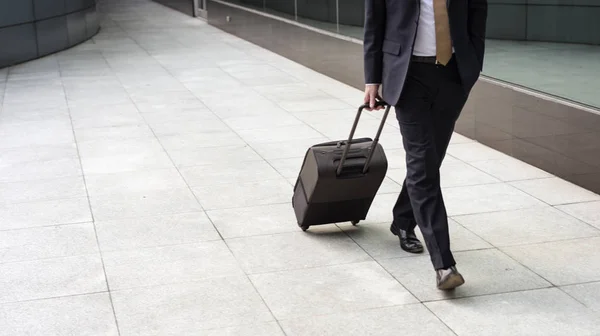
{"x": 375, "y": 140}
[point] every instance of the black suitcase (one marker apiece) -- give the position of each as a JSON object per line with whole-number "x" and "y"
{"x": 339, "y": 179}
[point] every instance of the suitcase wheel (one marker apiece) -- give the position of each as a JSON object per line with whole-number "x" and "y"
{"x": 355, "y": 222}
{"x": 304, "y": 227}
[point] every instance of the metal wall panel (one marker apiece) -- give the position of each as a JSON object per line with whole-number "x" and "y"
{"x": 14, "y": 12}
{"x": 34, "y": 28}
{"x": 44, "y": 9}
{"x": 19, "y": 42}
{"x": 52, "y": 35}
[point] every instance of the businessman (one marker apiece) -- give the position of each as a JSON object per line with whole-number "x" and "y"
{"x": 426, "y": 55}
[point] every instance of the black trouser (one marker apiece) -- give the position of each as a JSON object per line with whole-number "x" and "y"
{"x": 429, "y": 106}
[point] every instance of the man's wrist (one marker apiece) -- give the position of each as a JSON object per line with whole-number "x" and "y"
{"x": 369, "y": 84}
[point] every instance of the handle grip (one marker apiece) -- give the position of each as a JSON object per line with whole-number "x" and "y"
{"x": 378, "y": 103}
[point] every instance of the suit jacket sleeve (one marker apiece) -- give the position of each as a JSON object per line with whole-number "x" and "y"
{"x": 375, "y": 15}
{"x": 477, "y": 23}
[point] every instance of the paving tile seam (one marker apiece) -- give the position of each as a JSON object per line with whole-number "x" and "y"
{"x": 208, "y": 165}
{"x": 558, "y": 240}
{"x": 247, "y": 325}
{"x": 322, "y": 266}
{"x": 581, "y": 283}
{"x": 54, "y": 297}
{"x": 39, "y": 200}
{"x": 490, "y": 183}
{"x": 178, "y": 283}
{"x": 457, "y": 219}
{"x": 155, "y": 214}
{"x": 90, "y": 209}
{"x": 503, "y": 252}
{"x": 536, "y": 288}
{"x": 575, "y": 203}
{"x": 358, "y": 310}
{"x": 551, "y": 242}
{"x": 562, "y": 288}
{"x": 296, "y": 229}
{"x": 35, "y": 146}
{"x": 532, "y": 207}
{"x": 415, "y": 304}
{"x": 199, "y": 280}
{"x": 244, "y": 207}
{"x": 287, "y": 233}
{"x": 3, "y": 96}
{"x": 376, "y": 261}
{"x": 469, "y": 185}
{"x": 540, "y": 289}
{"x": 32, "y": 260}
{"x": 554, "y": 177}
{"x": 150, "y": 247}
{"x": 293, "y": 229}
{"x": 45, "y": 226}
{"x": 264, "y": 302}
{"x": 102, "y": 221}
{"x": 8, "y": 165}
{"x": 427, "y": 255}
{"x": 471, "y": 164}
{"x": 439, "y": 318}
{"x": 522, "y": 264}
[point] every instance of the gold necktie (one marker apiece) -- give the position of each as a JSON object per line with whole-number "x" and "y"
{"x": 442, "y": 32}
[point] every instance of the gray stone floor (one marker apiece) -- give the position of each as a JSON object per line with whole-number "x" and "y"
{"x": 145, "y": 185}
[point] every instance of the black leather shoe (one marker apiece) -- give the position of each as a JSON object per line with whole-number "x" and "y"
{"x": 449, "y": 278}
{"x": 408, "y": 240}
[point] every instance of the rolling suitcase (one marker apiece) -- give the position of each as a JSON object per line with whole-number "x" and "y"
{"x": 339, "y": 179}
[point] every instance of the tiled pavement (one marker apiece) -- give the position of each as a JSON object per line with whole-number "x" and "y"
{"x": 145, "y": 185}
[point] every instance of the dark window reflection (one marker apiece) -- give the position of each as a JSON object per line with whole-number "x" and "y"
{"x": 352, "y": 18}
{"x": 254, "y": 4}
{"x": 284, "y": 8}
{"x": 319, "y": 13}
{"x": 184, "y": 6}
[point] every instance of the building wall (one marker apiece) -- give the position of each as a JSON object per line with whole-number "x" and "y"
{"x": 572, "y": 21}
{"x": 561, "y": 138}
{"x": 34, "y": 28}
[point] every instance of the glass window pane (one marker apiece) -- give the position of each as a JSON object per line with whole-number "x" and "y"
{"x": 282, "y": 8}
{"x": 254, "y": 4}
{"x": 321, "y": 14}
{"x": 546, "y": 45}
{"x": 352, "y": 18}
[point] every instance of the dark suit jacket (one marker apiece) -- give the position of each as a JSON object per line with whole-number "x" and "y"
{"x": 390, "y": 31}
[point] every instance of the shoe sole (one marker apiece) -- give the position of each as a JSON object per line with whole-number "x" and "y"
{"x": 415, "y": 251}
{"x": 455, "y": 280}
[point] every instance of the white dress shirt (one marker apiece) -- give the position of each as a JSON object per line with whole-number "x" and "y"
{"x": 425, "y": 44}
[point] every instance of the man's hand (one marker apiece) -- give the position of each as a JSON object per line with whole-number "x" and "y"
{"x": 371, "y": 96}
